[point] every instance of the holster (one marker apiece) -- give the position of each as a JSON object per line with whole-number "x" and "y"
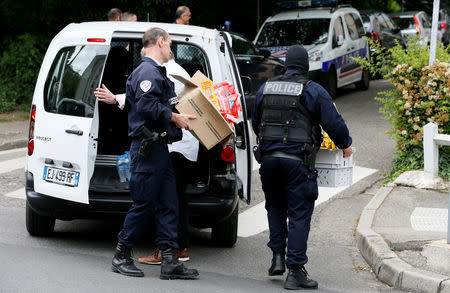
{"x": 150, "y": 138}
{"x": 257, "y": 153}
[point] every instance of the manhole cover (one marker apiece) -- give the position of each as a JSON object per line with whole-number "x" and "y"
{"x": 429, "y": 219}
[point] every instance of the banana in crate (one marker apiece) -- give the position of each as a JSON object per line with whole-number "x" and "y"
{"x": 333, "y": 169}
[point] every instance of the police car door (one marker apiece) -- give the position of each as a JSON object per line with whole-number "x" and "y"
{"x": 66, "y": 122}
{"x": 243, "y": 137}
{"x": 351, "y": 71}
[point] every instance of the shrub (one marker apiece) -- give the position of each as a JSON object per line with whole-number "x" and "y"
{"x": 421, "y": 95}
{"x": 19, "y": 68}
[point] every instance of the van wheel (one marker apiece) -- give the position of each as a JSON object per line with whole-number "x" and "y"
{"x": 363, "y": 84}
{"x": 38, "y": 225}
{"x": 225, "y": 233}
{"x": 331, "y": 84}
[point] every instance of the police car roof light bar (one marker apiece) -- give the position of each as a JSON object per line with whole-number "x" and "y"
{"x": 305, "y": 4}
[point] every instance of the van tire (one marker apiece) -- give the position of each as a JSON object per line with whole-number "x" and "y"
{"x": 38, "y": 225}
{"x": 225, "y": 233}
{"x": 331, "y": 83}
{"x": 363, "y": 84}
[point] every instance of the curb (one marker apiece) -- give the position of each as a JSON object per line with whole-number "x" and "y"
{"x": 386, "y": 265}
{"x": 19, "y": 143}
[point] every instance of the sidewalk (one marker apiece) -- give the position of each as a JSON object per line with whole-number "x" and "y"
{"x": 13, "y": 134}
{"x": 402, "y": 234}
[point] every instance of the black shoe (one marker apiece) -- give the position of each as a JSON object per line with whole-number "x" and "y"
{"x": 123, "y": 263}
{"x": 278, "y": 266}
{"x": 172, "y": 268}
{"x": 297, "y": 279}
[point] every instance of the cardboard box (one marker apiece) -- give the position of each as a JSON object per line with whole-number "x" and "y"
{"x": 209, "y": 127}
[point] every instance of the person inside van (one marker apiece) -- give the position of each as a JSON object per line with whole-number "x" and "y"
{"x": 183, "y": 14}
{"x": 184, "y": 155}
{"x": 114, "y": 14}
{"x": 128, "y": 16}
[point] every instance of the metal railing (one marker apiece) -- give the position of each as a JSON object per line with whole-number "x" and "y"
{"x": 431, "y": 141}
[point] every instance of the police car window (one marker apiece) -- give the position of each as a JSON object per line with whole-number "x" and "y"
{"x": 351, "y": 26}
{"x": 295, "y": 31}
{"x": 73, "y": 77}
{"x": 338, "y": 30}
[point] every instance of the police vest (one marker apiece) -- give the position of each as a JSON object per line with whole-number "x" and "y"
{"x": 284, "y": 116}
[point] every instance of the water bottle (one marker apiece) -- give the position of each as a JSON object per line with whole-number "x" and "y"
{"x": 123, "y": 167}
{"x": 127, "y": 166}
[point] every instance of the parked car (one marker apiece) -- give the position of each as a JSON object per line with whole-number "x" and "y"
{"x": 74, "y": 140}
{"x": 380, "y": 27}
{"x": 255, "y": 66}
{"x": 444, "y": 26}
{"x": 332, "y": 35}
{"x": 413, "y": 23}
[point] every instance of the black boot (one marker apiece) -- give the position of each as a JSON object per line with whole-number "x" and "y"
{"x": 297, "y": 279}
{"x": 171, "y": 268}
{"x": 123, "y": 263}
{"x": 278, "y": 266}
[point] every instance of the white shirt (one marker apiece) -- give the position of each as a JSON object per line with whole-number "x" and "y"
{"x": 188, "y": 146}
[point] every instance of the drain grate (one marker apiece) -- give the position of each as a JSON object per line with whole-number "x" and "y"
{"x": 429, "y": 219}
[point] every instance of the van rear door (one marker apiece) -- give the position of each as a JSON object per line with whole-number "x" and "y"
{"x": 243, "y": 137}
{"x": 66, "y": 123}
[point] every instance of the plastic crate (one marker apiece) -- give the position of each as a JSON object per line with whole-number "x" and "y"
{"x": 334, "y": 177}
{"x": 333, "y": 158}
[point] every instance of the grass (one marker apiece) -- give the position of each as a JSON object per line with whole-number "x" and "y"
{"x": 17, "y": 115}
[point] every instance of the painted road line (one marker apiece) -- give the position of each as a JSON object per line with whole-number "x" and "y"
{"x": 254, "y": 220}
{"x": 19, "y": 193}
{"x": 429, "y": 219}
{"x": 12, "y": 151}
{"x": 11, "y": 165}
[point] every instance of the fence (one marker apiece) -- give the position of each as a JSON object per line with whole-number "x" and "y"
{"x": 431, "y": 141}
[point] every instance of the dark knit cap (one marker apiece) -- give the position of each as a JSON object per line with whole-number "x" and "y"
{"x": 297, "y": 58}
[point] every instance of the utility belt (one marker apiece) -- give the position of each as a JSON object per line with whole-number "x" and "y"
{"x": 149, "y": 139}
{"x": 307, "y": 160}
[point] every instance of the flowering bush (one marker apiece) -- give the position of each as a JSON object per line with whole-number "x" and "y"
{"x": 421, "y": 95}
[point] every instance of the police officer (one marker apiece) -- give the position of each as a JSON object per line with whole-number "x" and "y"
{"x": 150, "y": 98}
{"x": 287, "y": 115}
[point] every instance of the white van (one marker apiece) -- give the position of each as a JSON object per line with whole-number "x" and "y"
{"x": 74, "y": 140}
{"x": 332, "y": 35}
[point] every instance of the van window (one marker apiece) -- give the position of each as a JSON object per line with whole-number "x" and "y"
{"x": 73, "y": 77}
{"x": 190, "y": 57}
{"x": 293, "y": 32}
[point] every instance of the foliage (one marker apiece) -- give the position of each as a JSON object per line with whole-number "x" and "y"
{"x": 421, "y": 95}
{"x": 19, "y": 67}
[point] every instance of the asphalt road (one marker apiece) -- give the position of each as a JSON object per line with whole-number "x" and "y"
{"x": 77, "y": 257}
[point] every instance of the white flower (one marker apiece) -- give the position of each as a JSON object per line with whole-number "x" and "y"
{"x": 415, "y": 127}
{"x": 404, "y": 132}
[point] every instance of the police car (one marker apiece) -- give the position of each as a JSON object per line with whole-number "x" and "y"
{"x": 74, "y": 140}
{"x": 331, "y": 33}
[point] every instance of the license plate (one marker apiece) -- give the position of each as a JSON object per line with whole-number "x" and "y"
{"x": 61, "y": 176}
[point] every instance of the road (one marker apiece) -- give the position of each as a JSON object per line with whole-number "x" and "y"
{"x": 77, "y": 257}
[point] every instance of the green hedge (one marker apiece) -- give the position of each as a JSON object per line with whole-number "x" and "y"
{"x": 421, "y": 95}
{"x": 19, "y": 67}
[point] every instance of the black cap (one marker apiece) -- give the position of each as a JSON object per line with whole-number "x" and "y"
{"x": 297, "y": 57}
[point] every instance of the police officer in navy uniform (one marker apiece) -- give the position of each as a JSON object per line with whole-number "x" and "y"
{"x": 287, "y": 115}
{"x": 150, "y": 98}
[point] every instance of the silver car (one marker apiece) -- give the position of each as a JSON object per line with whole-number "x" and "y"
{"x": 413, "y": 23}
